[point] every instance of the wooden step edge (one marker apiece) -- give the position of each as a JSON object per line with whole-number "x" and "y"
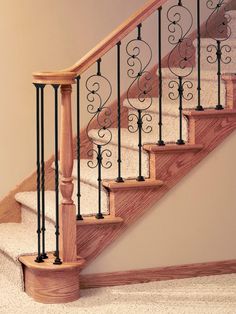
{"x": 29, "y": 262}
{"x": 209, "y": 113}
{"x": 154, "y": 148}
{"x": 107, "y": 220}
{"x": 132, "y": 184}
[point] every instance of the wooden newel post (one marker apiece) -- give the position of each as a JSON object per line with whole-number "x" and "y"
{"x": 67, "y": 217}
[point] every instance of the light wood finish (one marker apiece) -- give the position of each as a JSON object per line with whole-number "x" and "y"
{"x": 108, "y": 220}
{"x": 208, "y": 129}
{"x": 62, "y": 78}
{"x": 157, "y": 274}
{"x": 230, "y": 84}
{"x": 67, "y": 216}
{"x": 172, "y": 148}
{"x": 132, "y": 184}
{"x": 48, "y": 283}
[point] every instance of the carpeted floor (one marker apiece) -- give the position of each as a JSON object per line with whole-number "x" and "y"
{"x": 206, "y": 295}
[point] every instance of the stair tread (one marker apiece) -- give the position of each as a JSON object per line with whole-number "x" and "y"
{"x": 26, "y": 242}
{"x": 132, "y": 184}
{"x": 173, "y": 148}
{"x": 88, "y": 201}
{"x": 130, "y": 140}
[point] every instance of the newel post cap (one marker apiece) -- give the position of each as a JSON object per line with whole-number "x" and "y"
{"x": 61, "y": 78}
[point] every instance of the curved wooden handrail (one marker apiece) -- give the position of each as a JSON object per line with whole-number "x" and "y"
{"x": 67, "y": 76}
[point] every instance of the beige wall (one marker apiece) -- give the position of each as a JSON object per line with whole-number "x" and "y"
{"x": 42, "y": 35}
{"x": 195, "y": 222}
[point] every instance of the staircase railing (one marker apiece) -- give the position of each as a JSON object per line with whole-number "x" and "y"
{"x": 139, "y": 56}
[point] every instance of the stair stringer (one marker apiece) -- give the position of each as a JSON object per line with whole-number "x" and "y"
{"x": 207, "y": 130}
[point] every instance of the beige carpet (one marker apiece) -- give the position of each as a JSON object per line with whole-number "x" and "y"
{"x": 206, "y": 295}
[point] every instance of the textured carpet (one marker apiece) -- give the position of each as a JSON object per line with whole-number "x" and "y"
{"x": 206, "y": 295}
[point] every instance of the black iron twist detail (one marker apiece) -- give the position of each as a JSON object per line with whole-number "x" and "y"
{"x": 180, "y": 24}
{"x": 139, "y": 58}
{"x": 97, "y": 85}
{"x": 220, "y": 34}
{"x": 57, "y": 260}
{"x": 39, "y": 258}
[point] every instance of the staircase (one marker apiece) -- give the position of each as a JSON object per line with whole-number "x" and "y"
{"x": 109, "y": 211}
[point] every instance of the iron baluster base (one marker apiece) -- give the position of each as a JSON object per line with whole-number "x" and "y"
{"x": 140, "y": 178}
{"x": 39, "y": 259}
{"x": 120, "y": 180}
{"x": 79, "y": 217}
{"x": 161, "y": 143}
{"x": 44, "y": 256}
{"x": 219, "y": 107}
{"x": 199, "y": 108}
{"x": 99, "y": 216}
{"x": 180, "y": 142}
{"x": 57, "y": 261}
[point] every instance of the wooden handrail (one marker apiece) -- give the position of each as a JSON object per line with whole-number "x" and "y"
{"x": 67, "y": 76}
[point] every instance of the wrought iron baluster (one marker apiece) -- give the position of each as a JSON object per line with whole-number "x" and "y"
{"x": 44, "y": 255}
{"x": 140, "y": 125}
{"x": 136, "y": 50}
{"x": 220, "y": 34}
{"x": 181, "y": 92}
{"x": 199, "y": 106}
{"x": 101, "y": 114}
{"x": 119, "y": 161}
{"x": 180, "y": 24}
{"x": 160, "y": 142}
{"x": 57, "y": 260}
{"x": 79, "y": 216}
{"x": 39, "y": 258}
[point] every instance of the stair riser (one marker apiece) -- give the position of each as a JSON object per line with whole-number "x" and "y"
{"x": 208, "y": 95}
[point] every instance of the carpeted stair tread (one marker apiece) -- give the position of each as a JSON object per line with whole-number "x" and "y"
{"x": 20, "y": 239}
{"x": 130, "y": 140}
{"x": 88, "y": 201}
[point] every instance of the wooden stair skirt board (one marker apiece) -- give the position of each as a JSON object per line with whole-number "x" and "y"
{"x": 157, "y": 274}
{"x": 48, "y": 283}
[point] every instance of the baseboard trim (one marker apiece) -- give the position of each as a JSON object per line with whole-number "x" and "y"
{"x": 157, "y": 274}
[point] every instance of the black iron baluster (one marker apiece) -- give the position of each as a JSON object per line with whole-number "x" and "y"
{"x": 160, "y": 142}
{"x": 119, "y": 178}
{"x": 220, "y": 34}
{"x": 99, "y": 92}
{"x": 181, "y": 93}
{"x": 57, "y": 260}
{"x": 140, "y": 126}
{"x": 39, "y": 258}
{"x": 44, "y": 255}
{"x": 199, "y": 106}
{"x": 180, "y": 24}
{"x": 79, "y": 216}
{"x": 99, "y": 215}
{"x": 219, "y": 58}
{"x": 139, "y": 74}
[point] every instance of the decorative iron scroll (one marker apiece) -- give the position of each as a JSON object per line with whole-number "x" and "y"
{"x": 220, "y": 33}
{"x": 139, "y": 58}
{"x": 180, "y": 59}
{"x": 99, "y": 92}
